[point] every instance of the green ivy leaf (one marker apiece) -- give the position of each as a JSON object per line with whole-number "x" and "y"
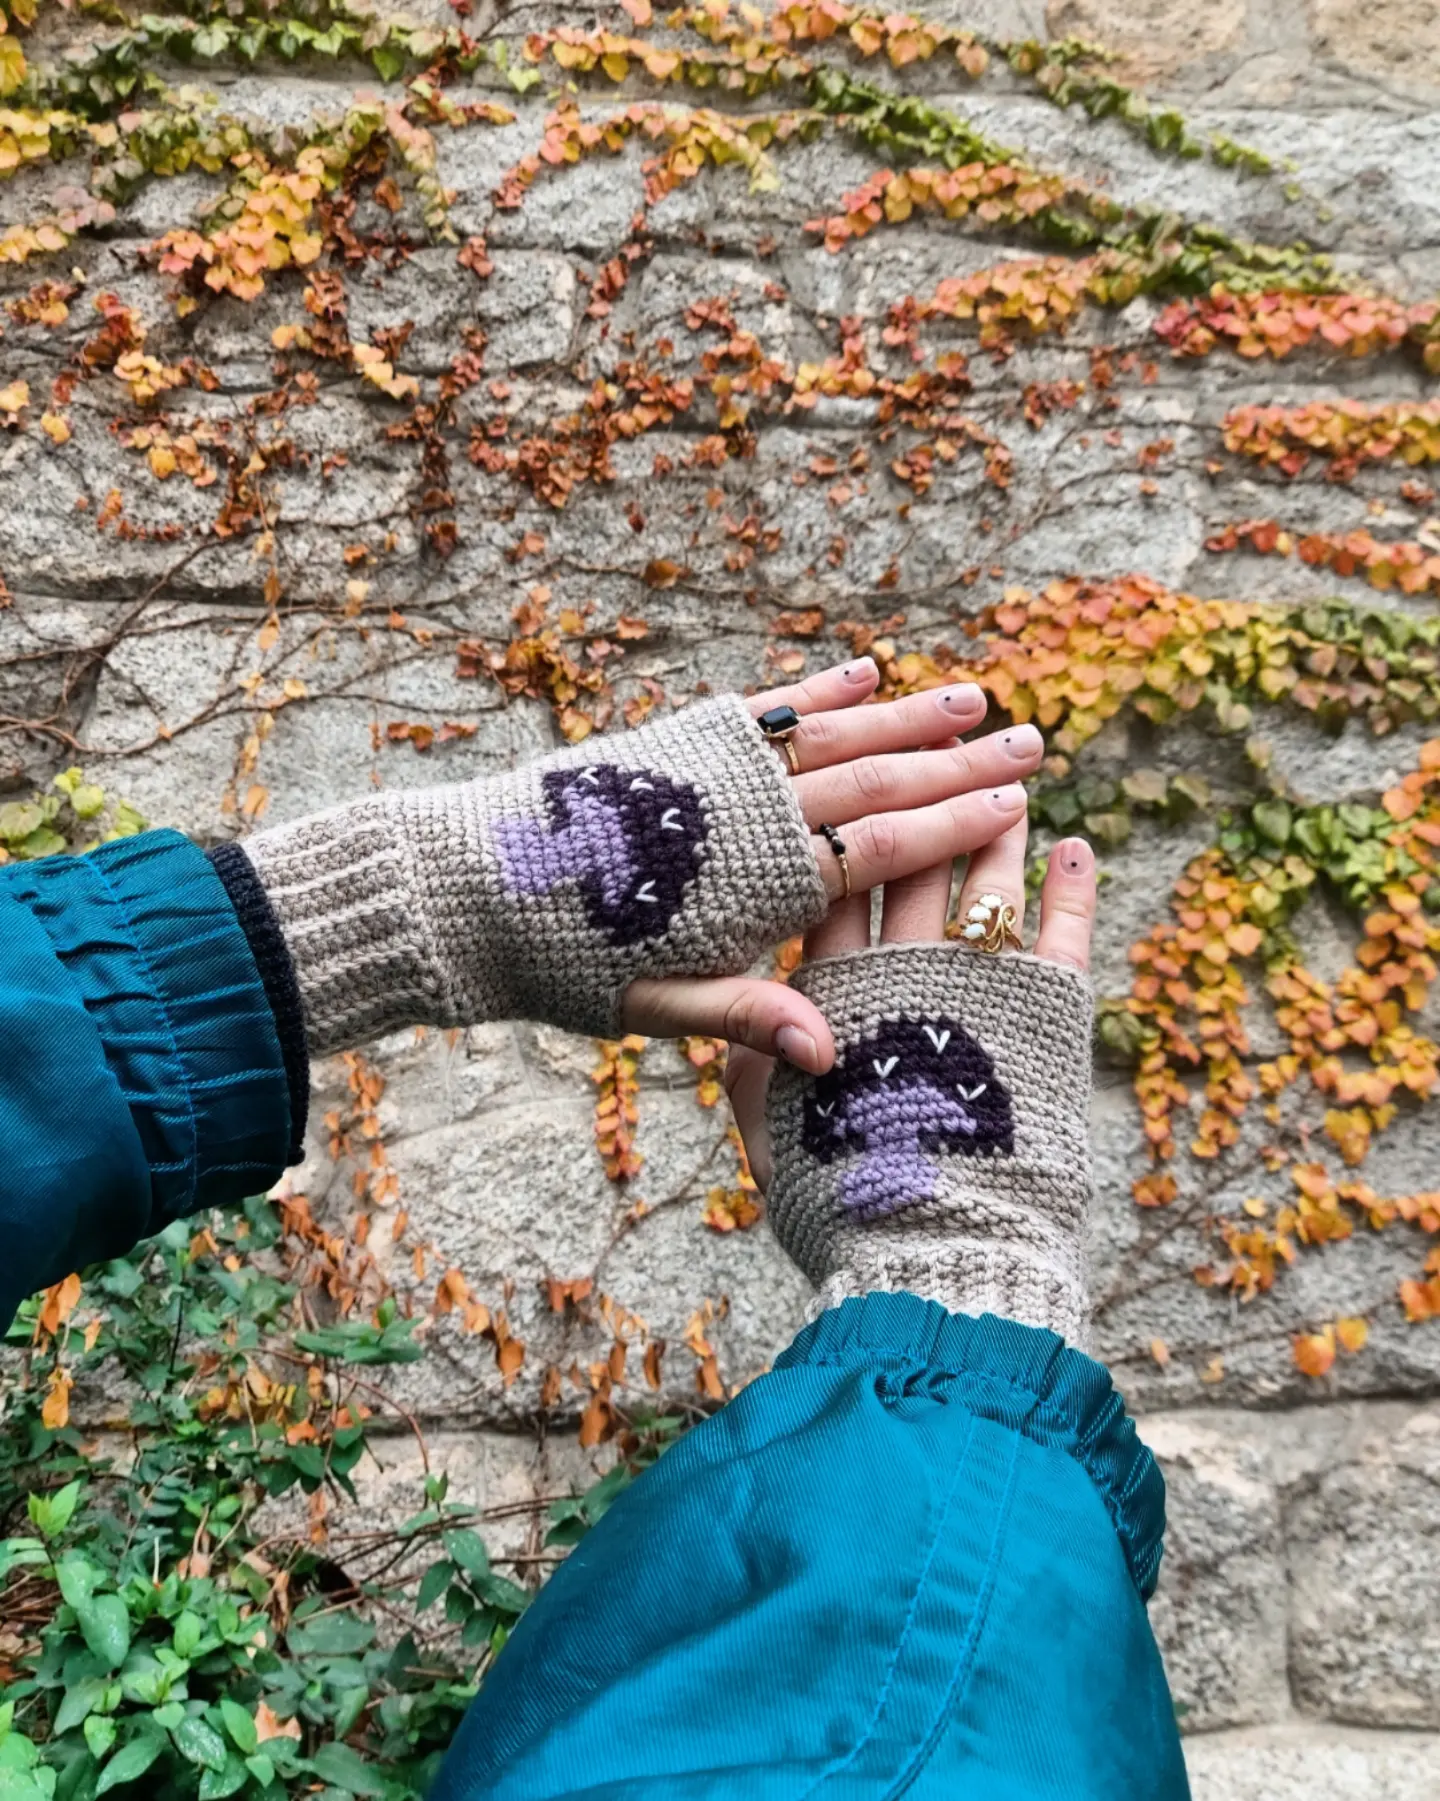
{"x": 100, "y": 1731}
{"x": 1273, "y": 820}
{"x": 105, "y": 1623}
{"x": 131, "y": 1761}
{"x": 51, "y": 1514}
{"x": 80, "y": 1698}
{"x": 216, "y": 1784}
{"x": 434, "y": 1583}
{"x": 198, "y": 1741}
{"x": 78, "y": 1579}
{"x": 467, "y": 1549}
{"x": 347, "y": 1770}
{"x": 240, "y": 1724}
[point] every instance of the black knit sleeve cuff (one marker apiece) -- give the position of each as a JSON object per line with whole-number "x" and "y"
{"x": 277, "y": 974}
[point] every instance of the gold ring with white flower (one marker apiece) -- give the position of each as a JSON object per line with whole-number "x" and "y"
{"x": 992, "y": 924}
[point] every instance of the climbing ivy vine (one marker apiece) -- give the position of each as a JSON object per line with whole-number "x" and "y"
{"x": 172, "y": 1633}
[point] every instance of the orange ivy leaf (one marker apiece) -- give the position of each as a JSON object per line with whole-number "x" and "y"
{"x": 55, "y": 1413}
{"x": 1314, "y": 1352}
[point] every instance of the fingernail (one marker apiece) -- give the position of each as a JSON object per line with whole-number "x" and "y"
{"x": 798, "y": 1047}
{"x": 964, "y": 697}
{"x": 1021, "y": 741}
{"x": 1076, "y": 856}
{"x": 860, "y": 671}
{"x": 1006, "y": 799}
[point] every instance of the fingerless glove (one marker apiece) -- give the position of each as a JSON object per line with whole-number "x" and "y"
{"x": 947, "y": 1151}
{"x": 676, "y": 849}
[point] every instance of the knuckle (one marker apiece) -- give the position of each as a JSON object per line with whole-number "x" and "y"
{"x": 819, "y": 732}
{"x": 879, "y": 840}
{"x": 739, "y": 1021}
{"x": 962, "y": 764}
{"x": 872, "y": 779}
{"x": 1072, "y": 906}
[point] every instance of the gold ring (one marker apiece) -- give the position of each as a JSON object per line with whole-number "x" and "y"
{"x": 779, "y": 725}
{"x": 837, "y": 848}
{"x": 991, "y": 925}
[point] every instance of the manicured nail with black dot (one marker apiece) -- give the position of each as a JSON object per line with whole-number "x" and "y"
{"x": 1076, "y": 857}
{"x": 1009, "y": 797}
{"x": 964, "y": 699}
{"x": 860, "y": 671}
{"x": 1021, "y": 742}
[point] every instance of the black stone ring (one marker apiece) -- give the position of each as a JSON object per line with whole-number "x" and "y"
{"x": 779, "y": 725}
{"x": 837, "y": 846}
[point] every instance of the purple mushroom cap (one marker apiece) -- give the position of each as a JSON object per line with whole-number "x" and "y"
{"x": 630, "y": 840}
{"x": 913, "y": 1091}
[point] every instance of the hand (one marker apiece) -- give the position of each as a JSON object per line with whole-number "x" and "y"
{"x": 909, "y": 797}
{"x": 914, "y": 912}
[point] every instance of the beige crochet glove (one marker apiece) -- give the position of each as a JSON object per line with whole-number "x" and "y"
{"x": 947, "y": 1152}
{"x": 677, "y": 849}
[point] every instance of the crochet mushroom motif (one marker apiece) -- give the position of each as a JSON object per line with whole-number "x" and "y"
{"x": 912, "y": 1091}
{"x": 630, "y": 839}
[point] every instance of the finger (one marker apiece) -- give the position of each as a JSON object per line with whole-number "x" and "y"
{"x": 919, "y": 778}
{"x": 998, "y": 868}
{"x": 747, "y": 1076}
{"x": 886, "y": 847}
{"x": 1067, "y": 904}
{"x": 845, "y": 928}
{"x": 824, "y": 739}
{"x": 915, "y": 906}
{"x": 767, "y": 1016}
{"x": 842, "y": 686}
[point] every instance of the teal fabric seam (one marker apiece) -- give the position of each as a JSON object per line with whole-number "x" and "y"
{"x": 965, "y": 1663}
{"x": 894, "y": 1663}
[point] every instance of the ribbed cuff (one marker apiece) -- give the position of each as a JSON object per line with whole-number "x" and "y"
{"x": 343, "y": 888}
{"x": 277, "y": 974}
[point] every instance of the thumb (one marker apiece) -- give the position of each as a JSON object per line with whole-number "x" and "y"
{"x": 766, "y": 1016}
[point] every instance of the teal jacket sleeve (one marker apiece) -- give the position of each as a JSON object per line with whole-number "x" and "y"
{"x": 141, "y": 1075}
{"x": 912, "y": 1560}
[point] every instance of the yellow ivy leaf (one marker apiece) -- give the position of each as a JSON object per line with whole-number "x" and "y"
{"x": 162, "y": 461}
{"x": 1352, "y": 1333}
{"x": 16, "y": 396}
{"x": 56, "y": 428}
{"x": 12, "y": 65}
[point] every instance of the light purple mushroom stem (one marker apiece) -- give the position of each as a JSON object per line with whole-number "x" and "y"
{"x": 895, "y": 1171}
{"x": 534, "y": 859}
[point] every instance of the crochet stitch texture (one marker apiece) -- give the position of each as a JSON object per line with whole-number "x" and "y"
{"x": 676, "y": 849}
{"x": 947, "y": 1152}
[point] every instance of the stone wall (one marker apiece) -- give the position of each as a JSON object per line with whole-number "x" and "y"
{"x": 1304, "y": 1545}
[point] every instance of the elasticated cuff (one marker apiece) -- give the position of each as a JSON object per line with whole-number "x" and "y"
{"x": 148, "y": 934}
{"x": 1020, "y": 1376}
{"x": 277, "y": 974}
